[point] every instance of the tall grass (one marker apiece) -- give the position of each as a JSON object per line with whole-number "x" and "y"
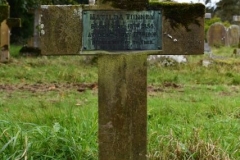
{"x": 193, "y": 111}
{"x": 54, "y": 128}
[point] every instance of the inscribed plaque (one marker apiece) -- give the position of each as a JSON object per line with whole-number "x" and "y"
{"x": 122, "y": 30}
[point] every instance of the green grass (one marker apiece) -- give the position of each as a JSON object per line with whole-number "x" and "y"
{"x": 193, "y": 114}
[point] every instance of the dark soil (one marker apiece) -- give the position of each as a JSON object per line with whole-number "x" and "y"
{"x": 46, "y": 87}
{"x": 80, "y": 87}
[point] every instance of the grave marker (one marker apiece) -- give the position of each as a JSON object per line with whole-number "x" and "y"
{"x": 208, "y": 15}
{"x": 233, "y": 35}
{"x": 236, "y": 18}
{"x": 122, "y": 30}
{"x": 217, "y": 35}
{"x": 135, "y": 31}
{"x": 6, "y": 24}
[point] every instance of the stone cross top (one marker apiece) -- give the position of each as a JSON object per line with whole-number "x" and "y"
{"x": 122, "y": 33}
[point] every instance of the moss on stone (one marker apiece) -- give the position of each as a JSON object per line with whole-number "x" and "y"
{"x": 4, "y": 12}
{"x": 177, "y": 13}
{"x": 128, "y": 4}
{"x": 62, "y": 28}
{"x": 180, "y": 13}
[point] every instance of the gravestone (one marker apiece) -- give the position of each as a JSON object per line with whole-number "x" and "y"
{"x": 217, "y": 35}
{"x": 208, "y": 15}
{"x": 233, "y": 35}
{"x": 236, "y": 18}
{"x": 6, "y": 24}
{"x": 207, "y": 48}
{"x": 122, "y": 34}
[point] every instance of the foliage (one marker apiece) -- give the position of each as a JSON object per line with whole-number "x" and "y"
{"x": 3, "y": 2}
{"x": 193, "y": 111}
{"x": 227, "y": 8}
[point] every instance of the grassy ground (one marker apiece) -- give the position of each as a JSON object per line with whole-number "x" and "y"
{"x": 46, "y": 112}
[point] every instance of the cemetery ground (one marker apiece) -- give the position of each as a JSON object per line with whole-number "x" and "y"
{"x": 48, "y": 108}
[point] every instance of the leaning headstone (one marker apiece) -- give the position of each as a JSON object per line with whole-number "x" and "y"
{"x": 233, "y": 35}
{"x": 217, "y": 35}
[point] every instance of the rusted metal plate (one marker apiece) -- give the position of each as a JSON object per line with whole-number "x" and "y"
{"x": 113, "y": 30}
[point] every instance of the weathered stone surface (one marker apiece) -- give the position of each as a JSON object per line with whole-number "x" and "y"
{"x": 4, "y": 33}
{"x": 183, "y": 33}
{"x": 217, "y": 35}
{"x": 180, "y": 41}
{"x": 122, "y": 107}
{"x": 61, "y": 29}
{"x": 4, "y": 42}
{"x": 233, "y": 35}
{"x": 6, "y": 24}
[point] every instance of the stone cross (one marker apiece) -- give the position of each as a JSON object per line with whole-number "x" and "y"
{"x": 122, "y": 34}
{"x": 6, "y": 24}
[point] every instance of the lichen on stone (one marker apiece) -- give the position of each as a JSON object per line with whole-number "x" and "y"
{"x": 60, "y": 29}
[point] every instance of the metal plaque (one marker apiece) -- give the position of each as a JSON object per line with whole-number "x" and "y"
{"x": 115, "y": 30}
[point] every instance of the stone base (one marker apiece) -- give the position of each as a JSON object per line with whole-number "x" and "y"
{"x": 4, "y": 56}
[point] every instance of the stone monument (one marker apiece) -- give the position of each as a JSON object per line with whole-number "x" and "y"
{"x": 217, "y": 35}
{"x": 122, "y": 34}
